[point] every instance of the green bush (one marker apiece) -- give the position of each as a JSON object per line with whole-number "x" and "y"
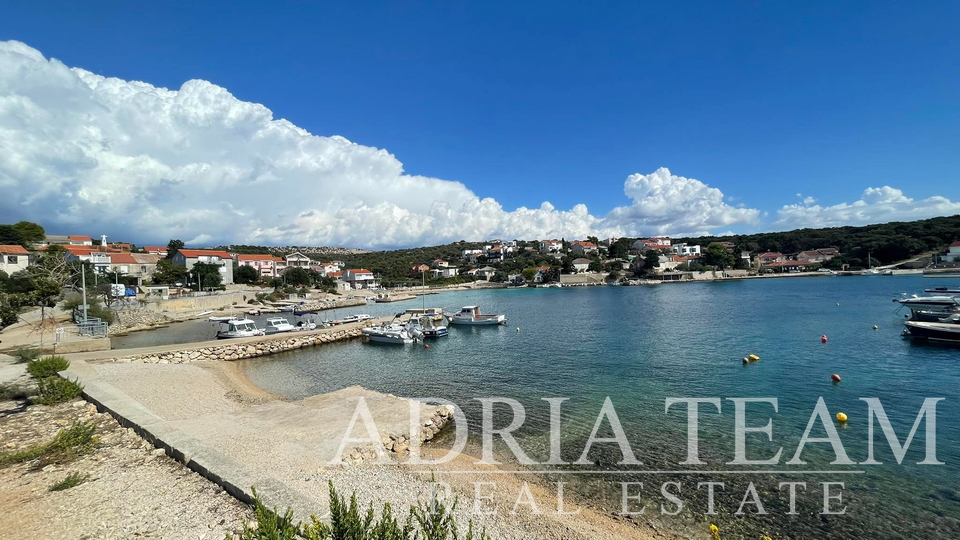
{"x": 22, "y": 356}
{"x": 53, "y": 390}
{"x": 348, "y": 522}
{"x": 47, "y": 367}
{"x": 14, "y": 391}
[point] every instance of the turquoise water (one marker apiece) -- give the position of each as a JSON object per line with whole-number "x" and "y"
{"x": 641, "y": 345}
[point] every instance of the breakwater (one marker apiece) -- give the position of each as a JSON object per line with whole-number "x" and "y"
{"x": 240, "y": 350}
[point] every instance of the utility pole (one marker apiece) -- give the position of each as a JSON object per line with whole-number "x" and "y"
{"x": 83, "y": 280}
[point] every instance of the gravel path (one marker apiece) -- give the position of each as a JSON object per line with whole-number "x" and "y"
{"x": 134, "y": 491}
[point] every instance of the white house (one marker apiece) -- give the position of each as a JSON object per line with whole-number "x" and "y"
{"x": 359, "y": 278}
{"x": 581, "y": 265}
{"x": 496, "y": 253}
{"x": 13, "y": 259}
{"x": 297, "y": 260}
{"x": 954, "y": 253}
{"x": 685, "y": 250}
{"x": 187, "y": 258}
{"x": 551, "y": 246}
{"x": 657, "y": 242}
{"x": 471, "y": 254}
{"x": 440, "y": 263}
{"x": 447, "y": 272}
{"x": 486, "y": 272}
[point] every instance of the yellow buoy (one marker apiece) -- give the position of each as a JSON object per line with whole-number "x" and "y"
{"x": 753, "y": 357}
{"x": 841, "y": 417}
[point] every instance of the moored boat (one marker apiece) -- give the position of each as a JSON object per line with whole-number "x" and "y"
{"x": 431, "y": 328}
{"x": 238, "y": 328}
{"x": 930, "y": 303}
{"x": 470, "y": 315}
{"x": 938, "y": 331}
{"x": 355, "y": 318}
{"x": 278, "y": 325}
{"x": 222, "y": 318}
{"x": 396, "y": 334}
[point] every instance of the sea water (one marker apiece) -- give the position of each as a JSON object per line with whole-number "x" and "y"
{"x": 641, "y": 345}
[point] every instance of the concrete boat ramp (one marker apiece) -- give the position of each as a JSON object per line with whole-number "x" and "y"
{"x": 208, "y": 416}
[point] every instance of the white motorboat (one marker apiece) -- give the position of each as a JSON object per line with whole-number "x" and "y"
{"x": 356, "y": 318}
{"x": 470, "y": 315}
{"x": 929, "y": 303}
{"x": 938, "y": 331}
{"x": 432, "y": 328}
{"x": 397, "y": 334}
{"x": 277, "y": 325}
{"x": 222, "y": 318}
{"x": 238, "y": 328}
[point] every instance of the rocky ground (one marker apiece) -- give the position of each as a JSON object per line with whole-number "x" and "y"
{"x": 133, "y": 491}
{"x": 132, "y": 320}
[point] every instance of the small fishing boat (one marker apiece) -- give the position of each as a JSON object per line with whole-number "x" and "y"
{"x": 278, "y": 325}
{"x": 433, "y": 313}
{"x": 355, "y": 318}
{"x": 937, "y": 331}
{"x": 392, "y": 333}
{"x": 238, "y": 328}
{"x": 471, "y": 316}
{"x": 222, "y": 318}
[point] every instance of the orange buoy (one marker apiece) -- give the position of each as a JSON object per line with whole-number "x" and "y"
{"x": 823, "y": 338}
{"x": 835, "y": 377}
{"x": 426, "y": 345}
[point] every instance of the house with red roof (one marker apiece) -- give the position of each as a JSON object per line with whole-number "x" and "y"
{"x": 954, "y": 252}
{"x": 79, "y": 240}
{"x": 580, "y": 247}
{"x": 418, "y": 269}
{"x": 359, "y": 278}
{"x": 187, "y": 258}
{"x": 13, "y": 258}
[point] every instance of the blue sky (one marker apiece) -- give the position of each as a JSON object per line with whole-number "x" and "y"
{"x": 563, "y": 101}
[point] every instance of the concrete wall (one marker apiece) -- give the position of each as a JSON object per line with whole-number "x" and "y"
{"x": 200, "y": 303}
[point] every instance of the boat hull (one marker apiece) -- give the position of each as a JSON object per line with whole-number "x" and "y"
{"x": 493, "y": 321}
{"x": 435, "y": 332}
{"x": 935, "y": 331}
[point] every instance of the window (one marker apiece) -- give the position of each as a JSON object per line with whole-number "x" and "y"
{"x": 12, "y": 259}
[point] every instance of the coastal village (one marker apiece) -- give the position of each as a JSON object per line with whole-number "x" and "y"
{"x": 577, "y": 262}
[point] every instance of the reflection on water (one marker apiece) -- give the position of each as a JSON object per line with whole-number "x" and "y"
{"x": 641, "y": 345}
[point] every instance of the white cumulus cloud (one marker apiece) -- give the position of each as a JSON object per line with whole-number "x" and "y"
{"x": 87, "y": 154}
{"x": 876, "y": 205}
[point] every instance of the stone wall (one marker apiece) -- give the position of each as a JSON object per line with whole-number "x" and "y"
{"x": 130, "y": 320}
{"x": 241, "y": 349}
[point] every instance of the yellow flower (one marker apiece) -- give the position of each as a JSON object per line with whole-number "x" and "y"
{"x": 765, "y": 538}
{"x": 715, "y": 532}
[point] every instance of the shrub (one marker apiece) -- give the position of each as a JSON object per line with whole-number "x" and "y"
{"x": 22, "y": 356}
{"x": 348, "y": 522}
{"x": 53, "y": 390}
{"x": 72, "y": 480}
{"x": 47, "y": 367}
{"x": 69, "y": 444}
{"x": 14, "y": 391}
